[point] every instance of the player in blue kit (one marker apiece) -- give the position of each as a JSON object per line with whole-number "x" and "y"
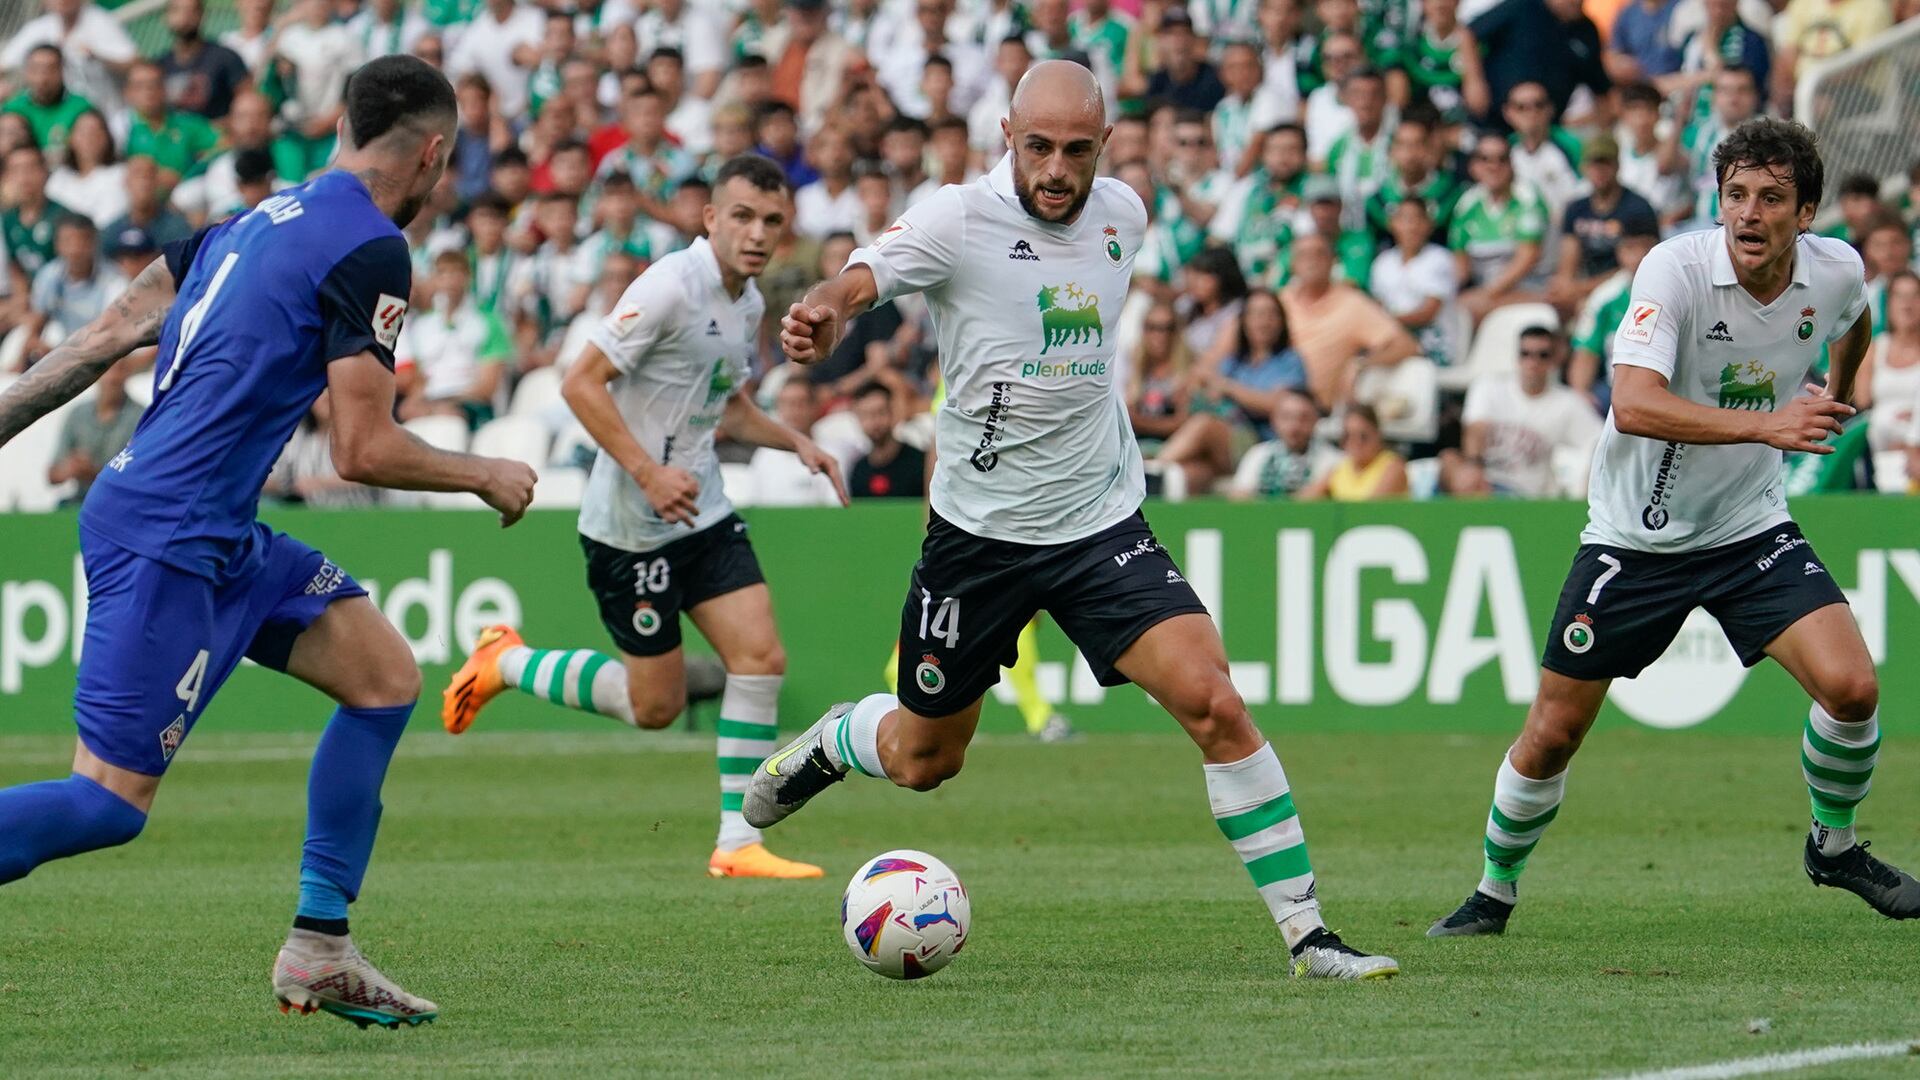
{"x": 255, "y": 318}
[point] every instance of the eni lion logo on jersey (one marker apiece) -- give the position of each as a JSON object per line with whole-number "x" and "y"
{"x": 720, "y": 383}
{"x": 1746, "y": 386}
{"x": 1062, "y": 324}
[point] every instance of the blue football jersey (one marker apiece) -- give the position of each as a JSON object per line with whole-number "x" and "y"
{"x": 264, "y": 302}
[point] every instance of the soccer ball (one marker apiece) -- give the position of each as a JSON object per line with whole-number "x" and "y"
{"x": 905, "y": 915}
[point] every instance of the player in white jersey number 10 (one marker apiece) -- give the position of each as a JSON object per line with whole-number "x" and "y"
{"x": 1687, "y": 510}
{"x": 1036, "y": 494}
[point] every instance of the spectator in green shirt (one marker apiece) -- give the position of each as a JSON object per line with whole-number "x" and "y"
{"x": 44, "y": 100}
{"x": 27, "y": 226}
{"x": 1414, "y": 153}
{"x": 1591, "y": 371}
{"x": 1353, "y": 249}
{"x": 176, "y": 140}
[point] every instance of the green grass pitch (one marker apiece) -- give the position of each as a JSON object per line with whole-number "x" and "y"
{"x": 549, "y": 892}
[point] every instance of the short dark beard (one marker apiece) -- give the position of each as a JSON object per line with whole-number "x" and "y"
{"x": 1021, "y": 189}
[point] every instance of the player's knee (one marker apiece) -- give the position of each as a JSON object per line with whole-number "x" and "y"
{"x": 1851, "y": 698}
{"x": 1212, "y": 711}
{"x": 394, "y": 681}
{"x": 770, "y": 659}
{"x": 654, "y": 713}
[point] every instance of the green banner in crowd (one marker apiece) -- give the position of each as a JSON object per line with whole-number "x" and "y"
{"x": 1423, "y": 616}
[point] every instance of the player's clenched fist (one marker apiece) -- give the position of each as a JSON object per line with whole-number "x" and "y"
{"x": 809, "y": 332}
{"x": 673, "y": 492}
{"x": 509, "y": 489}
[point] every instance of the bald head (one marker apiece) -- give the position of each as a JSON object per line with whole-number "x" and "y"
{"x": 1055, "y": 128}
{"x": 1059, "y": 91}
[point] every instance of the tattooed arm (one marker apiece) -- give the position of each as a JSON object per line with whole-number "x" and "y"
{"x": 128, "y": 323}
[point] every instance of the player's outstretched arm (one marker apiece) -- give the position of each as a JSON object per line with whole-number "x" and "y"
{"x": 1642, "y": 405}
{"x": 673, "y": 492}
{"x": 748, "y": 423}
{"x": 130, "y": 322}
{"x": 369, "y": 447}
{"x": 812, "y": 327}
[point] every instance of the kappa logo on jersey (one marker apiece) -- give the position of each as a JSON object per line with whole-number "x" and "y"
{"x": 987, "y": 455}
{"x": 388, "y": 314}
{"x": 891, "y": 234}
{"x": 1641, "y": 318}
{"x": 1112, "y": 244}
{"x": 1654, "y": 516}
{"x": 1062, "y": 325}
{"x": 1022, "y": 252}
{"x": 172, "y": 736}
{"x": 1746, "y": 386}
{"x": 1719, "y": 332}
{"x": 1805, "y": 330}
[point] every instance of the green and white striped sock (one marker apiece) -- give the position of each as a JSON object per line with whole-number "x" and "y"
{"x": 1522, "y": 809}
{"x": 749, "y": 727}
{"x": 1254, "y": 809}
{"x": 577, "y": 678}
{"x": 1837, "y": 760}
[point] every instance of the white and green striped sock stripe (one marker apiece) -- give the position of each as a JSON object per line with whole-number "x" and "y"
{"x": 1522, "y": 809}
{"x": 576, "y": 678}
{"x": 1837, "y": 760}
{"x": 748, "y": 731}
{"x": 1254, "y": 809}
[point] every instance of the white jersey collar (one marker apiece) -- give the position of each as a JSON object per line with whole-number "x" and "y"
{"x": 701, "y": 252}
{"x": 1722, "y": 261}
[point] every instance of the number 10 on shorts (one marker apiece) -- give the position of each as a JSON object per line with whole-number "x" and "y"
{"x": 940, "y": 621}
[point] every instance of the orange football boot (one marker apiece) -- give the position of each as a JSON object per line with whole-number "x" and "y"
{"x": 478, "y": 681}
{"x": 755, "y": 860}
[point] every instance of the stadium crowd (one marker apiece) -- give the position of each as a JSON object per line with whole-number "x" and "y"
{"x": 1389, "y": 239}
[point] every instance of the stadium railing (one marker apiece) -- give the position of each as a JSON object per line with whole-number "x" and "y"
{"x": 1865, "y": 106}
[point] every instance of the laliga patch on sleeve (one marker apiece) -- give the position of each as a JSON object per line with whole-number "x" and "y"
{"x": 892, "y": 231}
{"x": 1642, "y": 317}
{"x": 388, "y": 313}
{"x": 625, "y": 319}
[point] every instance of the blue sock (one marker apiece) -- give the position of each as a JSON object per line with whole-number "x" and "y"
{"x": 57, "y": 818}
{"x": 343, "y": 810}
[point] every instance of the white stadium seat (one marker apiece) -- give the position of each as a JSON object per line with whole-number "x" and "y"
{"x": 440, "y": 432}
{"x": 1406, "y": 396}
{"x": 566, "y": 445}
{"x": 560, "y": 488}
{"x": 1890, "y": 471}
{"x": 517, "y": 438}
{"x": 538, "y": 390}
{"x": 1496, "y": 346}
{"x": 738, "y": 480}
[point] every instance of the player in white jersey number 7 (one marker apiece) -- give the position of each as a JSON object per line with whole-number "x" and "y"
{"x": 1036, "y": 499}
{"x": 1687, "y": 511}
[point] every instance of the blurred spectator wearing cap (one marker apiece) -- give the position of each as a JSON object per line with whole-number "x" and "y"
{"x": 94, "y": 47}
{"x": 1592, "y": 368}
{"x": 28, "y": 222}
{"x": 1443, "y": 65}
{"x": 1820, "y": 29}
{"x": 1418, "y": 282}
{"x": 1353, "y": 246}
{"x": 1180, "y": 72}
{"x": 1593, "y": 224}
{"x": 1723, "y": 41}
{"x": 502, "y": 43}
{"x": 1365, "y": 470}
{"x": 1285, "y": 465}
{"x": 1689, "y": 151}
{"x": 385, "y": 28}
{"x": 73, "y": 289}
{"x": 829, "y": 204}
{"x": 213, "y": 192}
{"x": 1336, "y": 328}
{"x": 1258, "y": 215}
{"x": 177, "y": 141}
{"x": 44, "y": 100}
{"x": 1498, "y": 228}
{"x": 1639, "y": 45}
{"x": 1233, "y": 400}
{"x": 89, "y": 176}
{"x": 315, "y": 55}
{"x": 1358, "y": 158}
{"x": 92, "y": 434}
{"x": 202, "y": 76}
{"x": 131, "y": 248}
{"x": 1546, "y": 156}
{"x": 810, "y": 62}
{"x": 451, "y": 356}
{"x": 1514, "y": 421}
{"x": 1415, "y": 173}
{"x": 1550, "y": 42}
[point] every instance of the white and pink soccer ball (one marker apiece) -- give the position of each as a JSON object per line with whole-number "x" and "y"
{"x": 905, "y": 915}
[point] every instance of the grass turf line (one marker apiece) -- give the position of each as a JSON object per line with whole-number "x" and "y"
{"x": 554, "y": 901}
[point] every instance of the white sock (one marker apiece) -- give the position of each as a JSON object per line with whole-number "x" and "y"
{"x": 1522, "y": 809}
{"x": 748, "y": 732}
{"x": 1254, "y": 809}
{"x": 556, "y": 674}
{"x": 854, "y": 741}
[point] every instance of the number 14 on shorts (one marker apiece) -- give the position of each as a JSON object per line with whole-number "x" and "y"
{"x": 940, "y": 620}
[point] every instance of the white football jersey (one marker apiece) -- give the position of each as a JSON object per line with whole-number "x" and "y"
{"x": 1034, "y": 442}
{"x": 682, "y": 346}
{"x": 1690, "y": 320}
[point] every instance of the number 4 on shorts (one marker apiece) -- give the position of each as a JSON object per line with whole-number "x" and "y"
{"x": 188, "y": 688}
{"x": 945, "y": 619}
